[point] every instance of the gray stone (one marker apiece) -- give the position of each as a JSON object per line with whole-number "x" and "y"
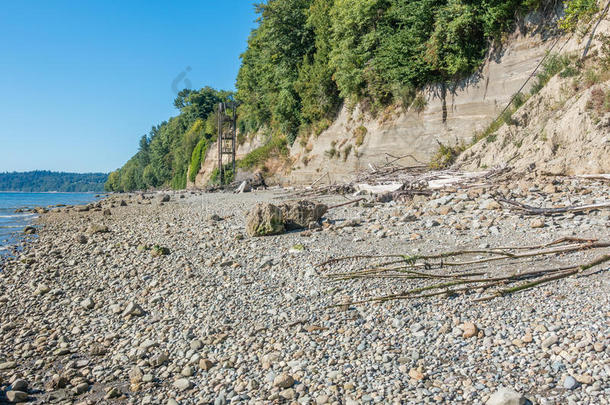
{"x": 16, "y": 396}
{"x": 570, "y": 383}
{"x": 506, "y": 396}
{"x": 182, "y": 384}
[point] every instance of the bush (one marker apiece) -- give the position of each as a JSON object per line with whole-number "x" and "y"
{"x": 577, "y": 11}
{"x": 277, "y": 146}
{"x": 197, "y": 157}
{"x": 445, "y": 155}
{"x": 360, "y": 133}
{"x": 346, "y": 151}
{"x": 591, "y": 77}
{"x": 419, "y": 104}
{"x": 599, "y": 102}
{"x": 554, "y": 64}
{"x": 228, "y": 177}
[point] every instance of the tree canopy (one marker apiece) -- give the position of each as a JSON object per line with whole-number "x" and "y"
{"x": 307, "y": 57}
{"x": 165, "y": 153}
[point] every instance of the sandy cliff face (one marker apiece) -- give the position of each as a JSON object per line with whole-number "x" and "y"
{"x": 564, "y": 129}
{"x": 558, "y": 131}
{"x": 356, "y": 140}
{"x": 470, "y": 106}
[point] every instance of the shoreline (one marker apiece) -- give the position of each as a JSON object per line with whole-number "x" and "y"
{"x": 225, "y": 317}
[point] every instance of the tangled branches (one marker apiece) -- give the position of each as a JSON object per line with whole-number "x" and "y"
{"x": 450, "y": 273}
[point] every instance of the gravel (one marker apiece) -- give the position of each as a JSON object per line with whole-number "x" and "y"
{"x": 225, "y": 318}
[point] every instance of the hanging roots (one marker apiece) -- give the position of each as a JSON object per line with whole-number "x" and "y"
{"x": 455, "y": 272}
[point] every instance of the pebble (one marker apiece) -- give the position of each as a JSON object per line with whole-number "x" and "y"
{"x": 262, "y": 329}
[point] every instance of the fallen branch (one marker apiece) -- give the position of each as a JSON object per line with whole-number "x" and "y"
{"x": 460, "y": 280}
{"x": 553, "y": 211}
{"x": 346, "y": 203}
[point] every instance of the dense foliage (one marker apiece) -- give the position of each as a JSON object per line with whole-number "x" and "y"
{"x": 42, "y": 180}
{"x": 167, "y": 152}
{"x": 307, "y": 57}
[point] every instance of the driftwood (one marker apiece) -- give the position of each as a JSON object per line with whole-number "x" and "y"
{"x": 528, "y": 209}
{"x": 454, "y": 272}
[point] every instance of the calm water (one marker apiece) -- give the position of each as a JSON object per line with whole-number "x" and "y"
{"x": 12, "y": 223}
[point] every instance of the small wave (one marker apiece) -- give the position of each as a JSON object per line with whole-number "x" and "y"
{"x": 17, "y": 215}
{"x": 10, "y": 226}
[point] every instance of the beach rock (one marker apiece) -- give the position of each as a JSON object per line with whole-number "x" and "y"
{"x": 205, "y": 364}
{"x": 80, "y": 238}
{"x": 29, "y": 230}
{"x": 264, "y": 219}
{"x": 507, "y": 396}
{"x": 283, "y": 381}
{"x": 87, "y": 303}
{"x": 470, "y": 330}
{"x": 16, "y": 396}
{"x": 107, "y": 212}
{"x": 550, "y": 341}
{"x": 570, "y": 383}
{"x": 19, "y": 385}
{"x": 112, "y": 392}
{"x": 537, "y": 223}
{"x": 97, "y": 228}
{"x": 133, "y": 309}
{"x": 182, "y": 384}
{"x": 299, "y": 214}
{"x": 416, "y": 374}
{"x": 164, "y": 198}
{"x": 42, "y": 289}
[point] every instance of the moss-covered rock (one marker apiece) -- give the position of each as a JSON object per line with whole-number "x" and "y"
{"x": 264, "y": 219}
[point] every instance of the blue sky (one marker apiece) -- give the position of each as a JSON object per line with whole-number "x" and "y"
{"x": 82, "y": 81}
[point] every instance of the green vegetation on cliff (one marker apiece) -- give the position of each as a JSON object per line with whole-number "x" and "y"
{"x": 172, "y": 148}
{"x": 306, "y": 58}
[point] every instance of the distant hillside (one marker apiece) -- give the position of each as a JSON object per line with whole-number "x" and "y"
{"x": 44, "y": 180}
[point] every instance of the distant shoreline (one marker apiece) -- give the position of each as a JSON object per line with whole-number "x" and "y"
{"x": 55, "y": 192}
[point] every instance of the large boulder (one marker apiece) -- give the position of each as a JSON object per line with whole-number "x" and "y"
{"x": 299, "y": 214}
{"x": 264, "y": 219}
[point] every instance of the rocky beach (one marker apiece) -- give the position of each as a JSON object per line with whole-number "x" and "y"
{"x": 163, "y": 298}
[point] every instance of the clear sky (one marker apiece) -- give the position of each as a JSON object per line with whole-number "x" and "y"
{"x": 82, "y": 81}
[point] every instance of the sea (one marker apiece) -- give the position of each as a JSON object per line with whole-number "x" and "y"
{"x": 12, "y": 223}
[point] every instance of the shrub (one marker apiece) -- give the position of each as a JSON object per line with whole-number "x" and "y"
{"x": 577, "y": 11}
{"x": 404, "y": 94}
{"x": 360, "y": 133}
{"x": 197, "y": 157}
{"x": 554, "y": 64}
{"x": 599, "y": 101}
{"x": 518, "y": 100}
{"x": 331, "y": 153}
{"x": 591, "y": 77}
{"x": 419, "y": 104}
{"x": 346, "y": 151}
{"x": 228, "y": 177}
{"x": 446, "y": 155}
{"x": 276, "y": 146}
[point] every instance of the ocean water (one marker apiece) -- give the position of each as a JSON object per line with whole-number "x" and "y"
{"x": 12, "y": 223}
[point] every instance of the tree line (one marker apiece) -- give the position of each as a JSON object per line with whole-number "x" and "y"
{"x": 44, "y": 180}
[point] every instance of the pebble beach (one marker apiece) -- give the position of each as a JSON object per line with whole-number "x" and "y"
{"x": 162, "y": 298}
